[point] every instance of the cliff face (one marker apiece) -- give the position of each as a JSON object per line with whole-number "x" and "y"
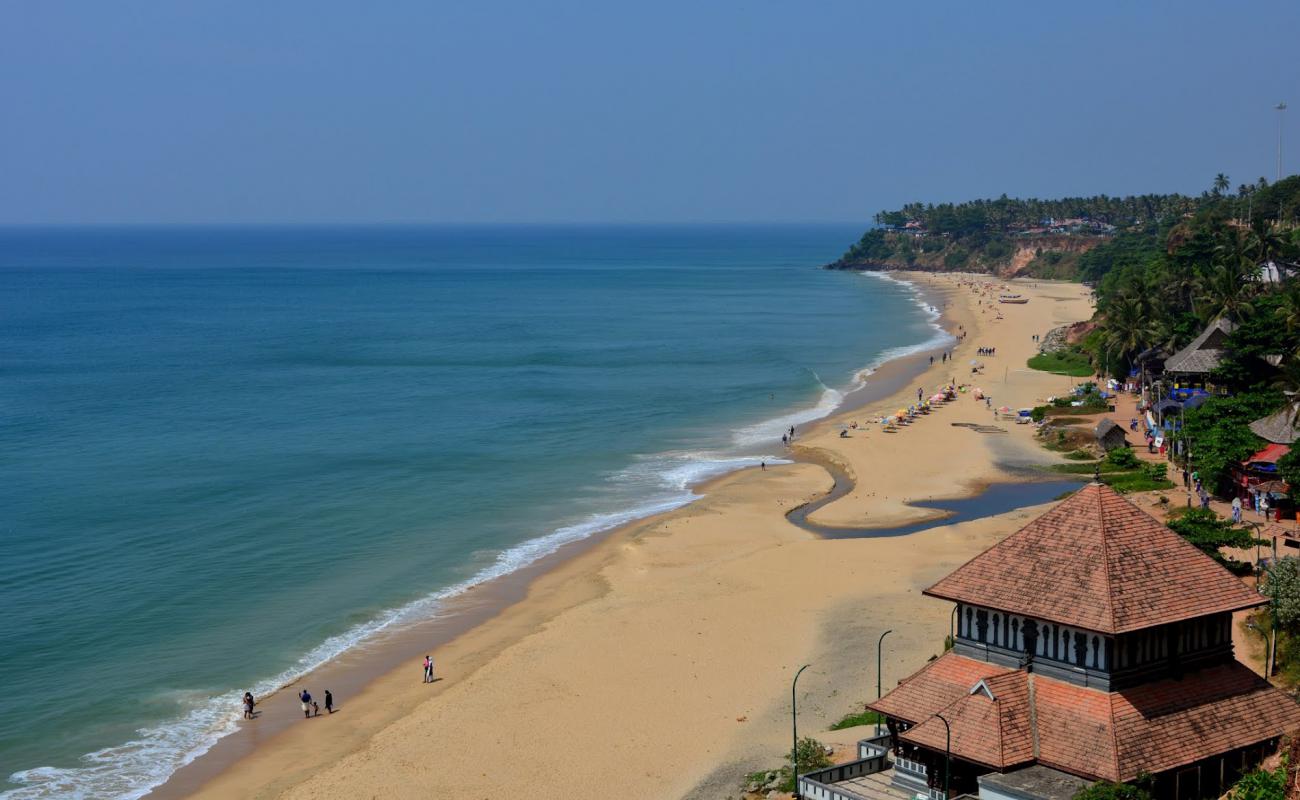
{"x": 1051, "y": 256}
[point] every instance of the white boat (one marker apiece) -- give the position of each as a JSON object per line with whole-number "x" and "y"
{"x": 1013, "y": 298}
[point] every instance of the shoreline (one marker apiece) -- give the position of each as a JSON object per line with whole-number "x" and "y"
{"x": 568, "y": 579}
{"x": 362, "y": 664}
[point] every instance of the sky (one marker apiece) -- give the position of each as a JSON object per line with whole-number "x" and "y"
{"x": 417, "y": 111}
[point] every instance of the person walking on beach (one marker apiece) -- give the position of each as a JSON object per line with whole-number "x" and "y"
{"x": 305, "y": 697}
{"x": 762, "y": 465}
{"x": 248, "y": 705}
{"x": 329, "y": 701}
{"x": 428, "y": 669}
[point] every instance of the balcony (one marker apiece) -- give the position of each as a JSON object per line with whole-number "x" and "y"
{"x": 873, "y": 776}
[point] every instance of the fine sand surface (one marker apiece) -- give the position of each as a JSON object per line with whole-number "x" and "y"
{"x": 657, "y": 664}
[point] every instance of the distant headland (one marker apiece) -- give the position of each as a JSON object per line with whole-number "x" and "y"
{"x": 1046, "y": 238}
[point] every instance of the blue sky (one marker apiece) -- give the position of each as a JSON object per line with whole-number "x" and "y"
{"x": 302, "y": 112}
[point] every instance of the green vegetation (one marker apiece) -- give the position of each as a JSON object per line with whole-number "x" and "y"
{"x": 984, "y": 235}
{"x": 860, "y": 718}
{"x": 1205, "y": 529}
{"x": 1260, "y": 784}
{"x": 1141, "y": 477}
{"x": 1282, "y": 587}
{"x": 1281, "y": 584}
{"x": 1159, "y": 287}
{"x": 1123, "y": 458}
{"x": 1065, "y": 362}
{"x": 1220, "y": 434}
{"x": 1288, "y": 467}
{"x": 1108, "y": 790}
{"x": 810, "y": 755}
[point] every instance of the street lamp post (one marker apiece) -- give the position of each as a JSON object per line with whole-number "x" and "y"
{"x": 879, "y": 644}
{"x": 1256, "y": 526}
{"x": 947, "y": 754}
{"x": 794, "y": 725}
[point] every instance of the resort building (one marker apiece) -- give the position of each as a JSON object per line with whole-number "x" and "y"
{"x": 1258, "y": 482}
{"x": 1092, "y": 644}
{"x": 1189, "y": 369}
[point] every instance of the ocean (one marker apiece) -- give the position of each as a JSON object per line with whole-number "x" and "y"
{"x": 230, "y": 454}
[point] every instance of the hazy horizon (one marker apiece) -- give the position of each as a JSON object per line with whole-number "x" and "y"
{"x": 310, "y": 114}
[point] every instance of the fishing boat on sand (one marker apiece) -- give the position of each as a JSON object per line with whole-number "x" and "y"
{"x": 1018, "y": 299}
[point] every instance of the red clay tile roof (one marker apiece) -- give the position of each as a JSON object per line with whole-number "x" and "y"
{"x": 994, "y": 731}
{"x": 1160, "y": 725}
{"x": 935, "y": 686}
{"x": 1087, "y": 732}
{"x": 1097, "y": 562}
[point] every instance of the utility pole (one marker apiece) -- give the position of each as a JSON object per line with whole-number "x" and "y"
{"x": 1280, "y": 108}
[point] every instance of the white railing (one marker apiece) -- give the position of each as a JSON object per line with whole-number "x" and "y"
{"x": 819, "y": 785}
{"x": 913, "y": 768}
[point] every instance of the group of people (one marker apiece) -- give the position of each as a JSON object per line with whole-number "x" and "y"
{"x": 786, "y": 439}
{"x": 1192, "y": 481}
{"x": 310, "y": 708}
{"x": 987, "y": 351}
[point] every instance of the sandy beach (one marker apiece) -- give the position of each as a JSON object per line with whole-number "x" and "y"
{"x": 657, "y": 663}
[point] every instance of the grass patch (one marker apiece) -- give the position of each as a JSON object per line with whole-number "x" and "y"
{"x": 861, "y": 718}
{"x": 1125, "y": 482}
{"x": 1121, "y": 479}
{"x": 1063, "y": 362}
{"x": 1079, "y": 455}
{"x": 1075, "y": 411}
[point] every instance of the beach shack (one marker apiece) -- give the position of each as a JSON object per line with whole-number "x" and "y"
{"x": 1109, "y": 435}
{"x": 1092, "y": 644}
{"x": 1256, "y": 479}
{"x": 1189, "y": 369}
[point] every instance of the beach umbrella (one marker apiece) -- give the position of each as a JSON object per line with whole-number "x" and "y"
{"x": 938, "y": 398}
{"x": 1004, "y": 410}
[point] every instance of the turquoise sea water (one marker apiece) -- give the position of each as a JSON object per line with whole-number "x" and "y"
{"x": 226, "y": 455}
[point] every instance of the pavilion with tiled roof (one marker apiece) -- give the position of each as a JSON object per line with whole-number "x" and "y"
{"x": 1096, "y": 642}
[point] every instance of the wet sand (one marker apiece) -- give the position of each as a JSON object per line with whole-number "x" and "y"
{"x": 654, "y": 662}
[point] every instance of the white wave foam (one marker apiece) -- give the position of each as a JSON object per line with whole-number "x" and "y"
{"x": 770, "y": 430}
{"x": 938, "y": 338}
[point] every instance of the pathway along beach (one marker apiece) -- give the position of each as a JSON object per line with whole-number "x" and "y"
{"x": 657, "y": 663}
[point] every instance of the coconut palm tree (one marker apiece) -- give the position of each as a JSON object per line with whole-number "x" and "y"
{"x": 1289, "y": 311}
{"x": 1226, "y": 291}
{"x": 1221, "y": 184}
{"x": 1129, "y": 328}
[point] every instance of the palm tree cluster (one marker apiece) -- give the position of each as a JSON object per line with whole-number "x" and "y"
{"x": 1209, "y": 268}
{"x": 1005, "y": 213}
